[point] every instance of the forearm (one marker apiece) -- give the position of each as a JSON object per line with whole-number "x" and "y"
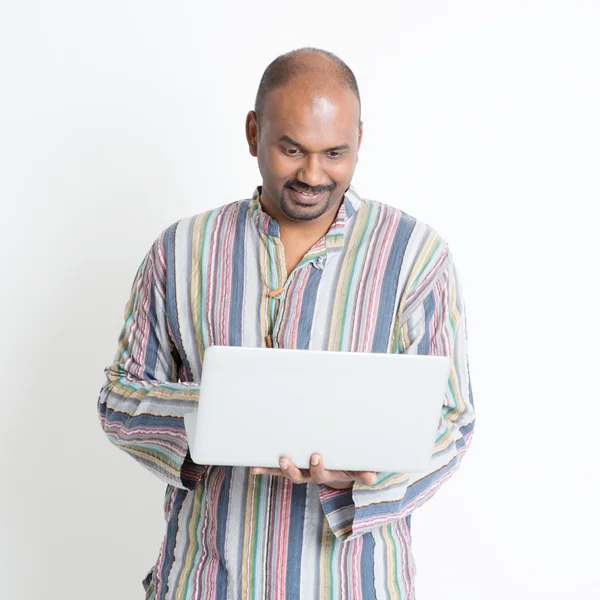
{"x": 145, "y": 419}
{"x": 142, "y": 402}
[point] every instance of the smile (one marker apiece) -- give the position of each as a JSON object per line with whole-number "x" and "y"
{"x": 303, "y": 198}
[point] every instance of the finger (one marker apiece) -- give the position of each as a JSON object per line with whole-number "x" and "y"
{"x": 368, "y": 477}
{"x": 318, "y": 473}
{"x": 292, "y": 472}
{"x": 266, "y": 471}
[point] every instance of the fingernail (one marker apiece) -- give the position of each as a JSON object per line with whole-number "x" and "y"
{"x": 254, "y": 471}
{"x": 314, "y": 461}
{"x": 283, "y": 465}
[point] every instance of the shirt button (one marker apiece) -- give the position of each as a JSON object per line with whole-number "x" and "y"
{"x": 275, "y": 293}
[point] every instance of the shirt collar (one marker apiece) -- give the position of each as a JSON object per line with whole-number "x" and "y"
{"x": 334, "y": 238}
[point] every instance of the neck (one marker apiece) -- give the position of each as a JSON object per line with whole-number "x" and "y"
{"x": 298, "y": 237}
{"x": 308, "y": 232}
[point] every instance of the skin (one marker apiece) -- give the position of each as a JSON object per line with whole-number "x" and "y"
{"x": 317, "y": 474}
{"x": 308, "y": 140}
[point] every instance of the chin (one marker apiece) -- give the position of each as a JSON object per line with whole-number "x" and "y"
{"x": 306, "y": 212}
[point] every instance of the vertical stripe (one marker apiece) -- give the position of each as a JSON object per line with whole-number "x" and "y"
{"x": 350, "y": 210}
{"x": 385, "y": 313}
{"x": 344, "y": 296}
{"x": 222, "y": 514}
{"x": 193, "y": 555}
{"x": 171, "y": 299}
{"x": 237, "y": 278}
{"x": 429, "y": 305}
{"x": 367, "y": 566}
{"x": 184, "y": 248}
{"x": 198, "y": 270}
{"x": 309, "y": 299}
{"x": 151, "y": 358}
{"x": 169, "y": 541}
{"x": 295, "y": 539}
{"x": 390, "y": 562}
{"x": 237, "y": 548}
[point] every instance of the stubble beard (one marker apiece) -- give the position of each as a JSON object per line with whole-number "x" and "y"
{"x": 294, "y": 212}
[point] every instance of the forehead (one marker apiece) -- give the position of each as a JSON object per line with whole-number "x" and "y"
{"x": 313, "y": 117}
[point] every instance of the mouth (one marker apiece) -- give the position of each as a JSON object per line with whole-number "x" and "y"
{"x": 307, "y": 199}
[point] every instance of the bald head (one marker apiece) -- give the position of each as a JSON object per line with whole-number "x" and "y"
{"x": 311, "y": 70}
{"x": 305, "y": 132}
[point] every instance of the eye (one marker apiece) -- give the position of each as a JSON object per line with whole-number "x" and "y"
{"x": 334, "y": 154}
{"x": 291, "y": 151}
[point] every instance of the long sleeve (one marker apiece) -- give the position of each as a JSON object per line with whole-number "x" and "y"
{"x": 432, "y": 322}
{"x": 145, "y": 395}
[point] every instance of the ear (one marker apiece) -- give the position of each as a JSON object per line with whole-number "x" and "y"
{"x": 252, "y": 133}
{"x": 360, "y": 132}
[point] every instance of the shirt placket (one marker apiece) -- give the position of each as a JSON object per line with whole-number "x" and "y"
{"x": 276, "y": 285}
{"x": 279, "y": 294}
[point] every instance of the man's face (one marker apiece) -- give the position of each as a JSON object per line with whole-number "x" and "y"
{"x": 307, "y": 148}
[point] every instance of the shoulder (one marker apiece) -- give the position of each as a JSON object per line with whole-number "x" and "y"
{"x": 421, "y": 256}
{"x": 201, "y": 223}
{"x": 420, "y": 248}
{"x": 197, "y": 228}
{"x": 190, "y": 235}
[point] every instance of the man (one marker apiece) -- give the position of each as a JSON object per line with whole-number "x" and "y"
{"x": 305, "y": 263}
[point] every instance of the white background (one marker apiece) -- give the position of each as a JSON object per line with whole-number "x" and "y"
{"x": 481, "y": 119}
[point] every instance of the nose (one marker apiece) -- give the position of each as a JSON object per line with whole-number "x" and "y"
{"x": 311, "y": 173}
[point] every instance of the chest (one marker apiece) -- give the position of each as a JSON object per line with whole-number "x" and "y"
{"x": 341, "y": 299}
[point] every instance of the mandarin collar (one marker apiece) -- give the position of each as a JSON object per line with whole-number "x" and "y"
{"x": 334, "y": 238}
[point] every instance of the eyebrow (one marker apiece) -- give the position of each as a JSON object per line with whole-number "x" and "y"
{"x": 289, "y": 140}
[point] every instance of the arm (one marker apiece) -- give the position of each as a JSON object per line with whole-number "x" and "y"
{"x": 142, "y": 402}
{"x": 433, "y": 322}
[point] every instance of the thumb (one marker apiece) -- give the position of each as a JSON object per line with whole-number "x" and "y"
{"x": 368, "y": 477}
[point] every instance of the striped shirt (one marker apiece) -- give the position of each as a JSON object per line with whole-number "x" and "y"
{"x": 378, "y": 281}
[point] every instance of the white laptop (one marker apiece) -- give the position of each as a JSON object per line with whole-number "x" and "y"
{"x": 360, "y": 411}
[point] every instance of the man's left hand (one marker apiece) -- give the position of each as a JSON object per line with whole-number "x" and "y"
{"x": 317, "y": 474}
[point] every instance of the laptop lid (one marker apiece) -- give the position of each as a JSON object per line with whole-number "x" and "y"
{"x": 360, "y": 411}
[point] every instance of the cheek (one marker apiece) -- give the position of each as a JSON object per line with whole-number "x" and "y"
{"x": 279, "y": 166}
{"x": 341, "y": 171}
{"x": 276, "y": 164}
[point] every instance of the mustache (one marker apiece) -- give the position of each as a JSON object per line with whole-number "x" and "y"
{"x": 298, "y": 186}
